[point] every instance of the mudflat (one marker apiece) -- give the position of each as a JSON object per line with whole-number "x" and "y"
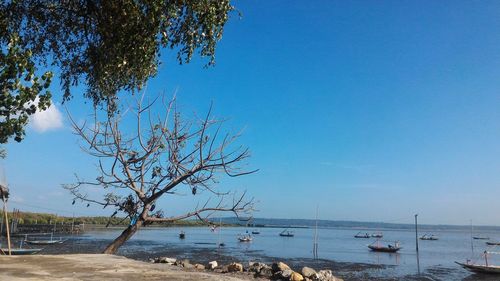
{"x": 96, "y": 267}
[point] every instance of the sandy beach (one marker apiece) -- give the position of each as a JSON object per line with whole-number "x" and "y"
{"x": 97, "y": 267}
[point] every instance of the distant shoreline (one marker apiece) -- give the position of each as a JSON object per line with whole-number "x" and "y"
{"x": 27, "y": 218}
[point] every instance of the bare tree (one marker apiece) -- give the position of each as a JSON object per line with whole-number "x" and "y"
{"x": 161, "y": 155}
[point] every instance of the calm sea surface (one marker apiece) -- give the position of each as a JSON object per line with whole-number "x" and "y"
{"x": 338, "y": 244}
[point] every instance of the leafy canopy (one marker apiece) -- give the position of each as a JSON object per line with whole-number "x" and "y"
{"x": 108, "y": 45}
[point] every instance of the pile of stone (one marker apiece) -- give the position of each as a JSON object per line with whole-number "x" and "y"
{"x": 276, "y": 271}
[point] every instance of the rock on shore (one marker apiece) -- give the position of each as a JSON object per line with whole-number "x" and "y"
{"x": 276, "y": 271}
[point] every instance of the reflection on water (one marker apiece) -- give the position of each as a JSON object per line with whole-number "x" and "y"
{"x": 436, "y": 257}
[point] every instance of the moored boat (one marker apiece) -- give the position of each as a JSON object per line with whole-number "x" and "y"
{"x": 390, "y": 248}
{"x": 377, "y": 235}
{"x": 20, "y": 251}
{"x": 286, "y": 233}
{"x": 491, "y": 243}
{"x": 360, "y": 235}
{"x": 255, "y": 232}
{"x": 182, "y": 235}
{"x": 245, "y": 238}
{"x": 480, "y": 237}
{"x": 429, "y": 237}
{"x": 44, "y": 242}
{"x": 481, "y": 268}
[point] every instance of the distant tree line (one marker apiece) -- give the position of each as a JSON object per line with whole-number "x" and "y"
{"x": 44, "y": 218}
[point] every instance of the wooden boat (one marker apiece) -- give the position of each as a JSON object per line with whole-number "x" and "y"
{"x": 493, "y": 243}
{"x": 246, "y": 238}
{"x": 429, "y": 237}
{"x": 359, "y": 235}
{"x": 50, "y": 241}
{"x": 182, "y": 235}
{"x": 480, "y": 268}
{"x": 44, "y": 242}
{"x": 377, "y": 235}
{"x": 481, "y": 237}
{"x": 286, "y": 233}
{"x": 20, "y": 251}
{"x": 386, "y": 249}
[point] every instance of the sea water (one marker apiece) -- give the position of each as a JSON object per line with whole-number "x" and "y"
{"x": 436, "y": 258}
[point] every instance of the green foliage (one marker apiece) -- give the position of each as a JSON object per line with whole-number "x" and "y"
{"x": 110, "y": 45}
{"x": 113, "y": 45}
{"x": 22, "y": 93}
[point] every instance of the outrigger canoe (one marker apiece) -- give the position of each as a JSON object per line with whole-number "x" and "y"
{"x": 20, "y": 251}
{"x": 44, "y": 242}
{"x": 480, "y": 268}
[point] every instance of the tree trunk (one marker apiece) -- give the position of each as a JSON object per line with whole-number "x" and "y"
{"x": 126, "y": 234}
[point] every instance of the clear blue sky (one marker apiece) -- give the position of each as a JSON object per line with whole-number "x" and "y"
{"x": 373, "y": 110}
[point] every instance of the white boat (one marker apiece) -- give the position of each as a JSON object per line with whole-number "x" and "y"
{"x": 245, "y": 238}
{"x": 50, "y": 241}
{"x": 361, "y": 235}
{"x": 429, "y": 237}
{"x": 44, "y": 242}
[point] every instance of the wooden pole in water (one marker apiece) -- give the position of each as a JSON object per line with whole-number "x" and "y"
{"x": 6, "y": 222}
{"x": 73, "y": 224}
{"x": 471, "y": 240}
{"x": 416, "y": 243}
{"x": 315, "y": 244}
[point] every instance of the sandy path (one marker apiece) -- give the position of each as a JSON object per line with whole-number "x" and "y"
{"x": 95, "y": 267}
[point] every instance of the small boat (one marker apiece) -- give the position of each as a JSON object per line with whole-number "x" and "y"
{"x": 360, "y": 235}
{"x": 44, "y": 242}
{"x": 255, "y": 232}
{"x": 493, "y": 243}
{"x": 246, "y": 238}
{"x": 182, "y": 235}
{"x": 20, "y": 251}
{"x": 390, "y": 248}
{"x": 429, "y": 237}
{"x": 481, "y": 268}
{"x": 286, "y": 233}
{"x": 377, "y": 235}
{"x": 479, "y": 237}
